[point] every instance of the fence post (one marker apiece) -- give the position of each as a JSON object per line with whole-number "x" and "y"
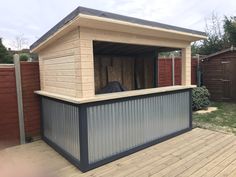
{"x": 19, "y": 98}
{"x": 198, "y": 71}
{"x": 173, "y": 69}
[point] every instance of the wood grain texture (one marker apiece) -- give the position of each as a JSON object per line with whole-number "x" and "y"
{"x": 59, "y": 64}
{"x": 216, "y": 69}
{"x": 115, "y": 95}
{"x": 199, "y": 152}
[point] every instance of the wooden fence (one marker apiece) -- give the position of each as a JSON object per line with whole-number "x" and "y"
{"x": 9, "y": 118}
{"x": 165, "y": 71}
{"x": 9, "y": 125}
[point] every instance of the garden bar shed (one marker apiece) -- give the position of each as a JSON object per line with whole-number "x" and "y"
{"x": 91, "y": 53}
{"x": 219, "y": 74}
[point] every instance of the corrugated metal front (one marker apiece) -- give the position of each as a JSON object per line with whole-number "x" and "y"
{"x": 115, "y": 127}
{"x": 61, "y": 125}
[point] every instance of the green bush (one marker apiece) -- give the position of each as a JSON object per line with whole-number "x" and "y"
{"x": 200, "y": 96}
{"x": 24, "y": 57}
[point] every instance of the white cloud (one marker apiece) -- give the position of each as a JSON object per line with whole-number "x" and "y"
{"x": 35, "y": 17}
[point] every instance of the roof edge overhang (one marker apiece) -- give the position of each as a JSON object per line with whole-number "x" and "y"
{"x": 231, "y": 49}
{"x": 95, "y": 22}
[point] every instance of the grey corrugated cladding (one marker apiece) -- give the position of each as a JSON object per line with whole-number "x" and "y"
{"x": 93, "y": 12}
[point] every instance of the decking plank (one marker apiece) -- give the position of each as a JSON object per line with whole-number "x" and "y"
{"x": 205, "y": 164}
{"x": 157, "y": 157}
{"x": 196, "y": 153}
{"x": 164, "y": 148}
{"x": 155, "y": 164}
{"x": 202, "y": 151}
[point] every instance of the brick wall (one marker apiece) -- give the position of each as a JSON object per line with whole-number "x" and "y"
{"x": 165, "y": 71}
{"x": 31, "y": 103}
{"x": 9, "y": 126}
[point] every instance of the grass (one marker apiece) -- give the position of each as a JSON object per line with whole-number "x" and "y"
{"x": 223, "y": 119}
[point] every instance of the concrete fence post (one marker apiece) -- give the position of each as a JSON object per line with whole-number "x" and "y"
{"x": 19, "y": 98}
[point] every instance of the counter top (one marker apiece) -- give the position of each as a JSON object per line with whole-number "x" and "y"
{"x": 116, "y": 95}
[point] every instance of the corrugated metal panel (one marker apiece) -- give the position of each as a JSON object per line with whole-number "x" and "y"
{"x": 61, "y": 125}
{"x": 119, "y": 126}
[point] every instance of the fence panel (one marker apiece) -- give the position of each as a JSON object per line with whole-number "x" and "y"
{"x": 9, "y": 125}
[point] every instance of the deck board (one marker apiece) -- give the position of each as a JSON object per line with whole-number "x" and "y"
{"x": 199, "y": 152}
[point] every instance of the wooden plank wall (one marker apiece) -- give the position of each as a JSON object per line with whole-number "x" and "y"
{"x": 213, "y": 75}
{"x": 122, "y": 69}
{"x": 110, "y": 68}
{"x": 59, "y": 64}
{"x": 144, "y": 71}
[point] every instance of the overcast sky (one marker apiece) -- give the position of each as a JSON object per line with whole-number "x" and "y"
{"x": 32, "y": 18}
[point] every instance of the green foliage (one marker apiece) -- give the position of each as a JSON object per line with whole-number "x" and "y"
{"x": 221, "y": 35}
{"x": 230, "y": 30}
{"x": 24, "y": 57}
{"x": 5, "y": 56}
{"x": 211, "y": 45}
{"x": 200, "y": 97}
{"x": 34, "y": 56}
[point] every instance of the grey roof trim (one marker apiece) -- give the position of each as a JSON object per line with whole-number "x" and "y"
{"x": 231, "y": 49}
{"x": 93, "y": 12}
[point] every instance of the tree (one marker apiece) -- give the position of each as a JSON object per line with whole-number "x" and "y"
{"x": 215, "y": 41}
{"x": 216, "y": 38}
{"x": 230, "y": 30}
{"x": 20, "y": 42}
{"x": 194, "y": 48}
{"x": 5, "y": 56}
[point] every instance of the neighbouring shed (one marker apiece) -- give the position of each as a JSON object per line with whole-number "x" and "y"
{"x": 219, "y": 74}
{"x": 88, "y": 50}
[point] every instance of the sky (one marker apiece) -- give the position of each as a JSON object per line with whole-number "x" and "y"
{"x": 30, "y": 19}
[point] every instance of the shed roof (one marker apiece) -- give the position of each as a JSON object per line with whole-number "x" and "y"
{"x": 220, "y": 52}
{"x": 108, "y": 15}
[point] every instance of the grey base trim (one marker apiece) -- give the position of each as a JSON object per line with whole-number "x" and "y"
{"x": 131, "y": 151}
{"x": 85, "y": 168}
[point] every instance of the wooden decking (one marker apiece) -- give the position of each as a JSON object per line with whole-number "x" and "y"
{"x": 196, "y": 153}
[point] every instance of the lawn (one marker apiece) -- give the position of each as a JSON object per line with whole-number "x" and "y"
{"x": 223, "y": 119}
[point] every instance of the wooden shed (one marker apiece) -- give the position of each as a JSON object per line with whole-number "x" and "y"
{"x": 219, "y": 74}
{"x": 84, "y": 53}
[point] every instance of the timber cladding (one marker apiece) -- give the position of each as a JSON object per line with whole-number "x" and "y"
{"x": 67, "y": 64}
{"x": 59, "y": 65}
{"x": 219, "y": 76}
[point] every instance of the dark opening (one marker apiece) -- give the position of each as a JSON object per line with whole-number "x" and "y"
{"x": 121, "y": 67}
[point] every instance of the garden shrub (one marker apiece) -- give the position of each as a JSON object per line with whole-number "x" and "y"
{"x": 24, "y": 57}
{"x": 200, "y": 98}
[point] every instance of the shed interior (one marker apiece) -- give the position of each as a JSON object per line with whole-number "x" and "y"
{"x": 133, "y": 66}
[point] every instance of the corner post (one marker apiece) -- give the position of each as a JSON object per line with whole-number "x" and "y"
{"x": 173, "y": 69}
{"x": 83, "y": 132}
{"x": 156, "y": 69}
{"x": 186, "y": 66}
{"x": 19, "y": 98}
